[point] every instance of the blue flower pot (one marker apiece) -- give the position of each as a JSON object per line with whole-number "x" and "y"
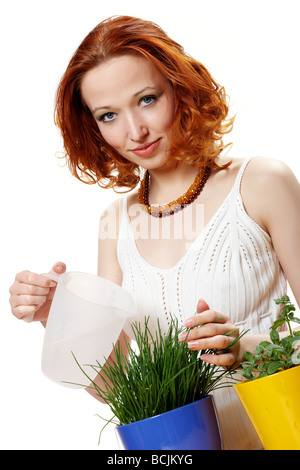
{"x": 190, "y": 427}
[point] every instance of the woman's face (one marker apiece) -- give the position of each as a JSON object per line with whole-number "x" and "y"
{"x": 133, "y": 105}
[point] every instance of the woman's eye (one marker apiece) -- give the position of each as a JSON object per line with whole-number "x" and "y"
{"x": 107, "y": 117}
{"x": 147, "y": 100}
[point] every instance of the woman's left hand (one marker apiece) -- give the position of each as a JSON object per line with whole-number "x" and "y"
{"x": 215, "y": 331}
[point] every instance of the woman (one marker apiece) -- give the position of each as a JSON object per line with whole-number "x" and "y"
{"x": 198, "y": 226}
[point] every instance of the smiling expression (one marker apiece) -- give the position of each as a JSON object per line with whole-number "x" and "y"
{"x": 133, "y": 105}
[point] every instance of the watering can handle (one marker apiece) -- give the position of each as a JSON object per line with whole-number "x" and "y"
{"x": 53, "y": 277}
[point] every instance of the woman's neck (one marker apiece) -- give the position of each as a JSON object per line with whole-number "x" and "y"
{"x": 168, "y": 184}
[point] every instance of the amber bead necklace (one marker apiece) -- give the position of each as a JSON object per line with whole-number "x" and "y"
{"x": 169, "y": 209}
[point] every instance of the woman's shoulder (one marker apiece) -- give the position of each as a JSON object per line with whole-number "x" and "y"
{"x": 114, "y": 208}
{"x": 109, "y": 221}
{"x": 264, "y": 167}
{"x": 111, "y": 216}
{"x": 268, "y": 177}
{"x": 259, "y": 172}
{"x": 267, "y": 186}
{"x": 268, "y": 169}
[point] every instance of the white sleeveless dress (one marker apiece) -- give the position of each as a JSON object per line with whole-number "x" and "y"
{"x": 233, "y": 266}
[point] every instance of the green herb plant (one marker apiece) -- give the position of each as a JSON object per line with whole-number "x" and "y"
{"x": 159, "y": 375}
{"x": 279, "y": 354}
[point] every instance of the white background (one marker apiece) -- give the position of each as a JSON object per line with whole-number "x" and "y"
{"x": 250, "y": 46}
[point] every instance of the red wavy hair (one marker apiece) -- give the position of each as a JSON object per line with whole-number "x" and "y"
{"x": 201, "y": 110}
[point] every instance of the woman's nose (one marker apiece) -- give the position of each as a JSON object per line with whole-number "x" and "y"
{"x": 137, "y": 130}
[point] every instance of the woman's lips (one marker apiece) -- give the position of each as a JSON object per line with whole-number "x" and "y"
{"x": 146, "y": 150}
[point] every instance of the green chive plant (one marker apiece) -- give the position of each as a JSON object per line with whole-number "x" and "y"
{"x": 159, "y": 375}
{"x": 278, "y": 354}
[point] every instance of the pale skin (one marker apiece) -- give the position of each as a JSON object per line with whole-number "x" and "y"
{"x": 136, "y": 108}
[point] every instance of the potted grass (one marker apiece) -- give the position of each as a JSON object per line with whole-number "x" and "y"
{"x": 270, "y": 394}
{"x": 160, "y": 395}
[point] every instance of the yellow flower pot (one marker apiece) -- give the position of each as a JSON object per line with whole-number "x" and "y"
{"x": 273, "y": 406}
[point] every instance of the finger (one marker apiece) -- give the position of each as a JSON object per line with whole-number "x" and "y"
{"x": 223, "y": 360}
{"x": 202, "y": 306}
{"x": 24, "y": 311}
{"x": 58, "y": 268}
{"x": 208, "y": 316}
{"x": 215, "y": 342}
{"x": 27, "y": 300}
{"x": 28, "y": 277}
{"x": 205, "y": 331}
{"x": 21, "y": 288}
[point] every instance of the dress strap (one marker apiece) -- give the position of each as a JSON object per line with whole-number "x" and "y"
{"x": 123, "y": 218}
{"x": 237, "y": 184}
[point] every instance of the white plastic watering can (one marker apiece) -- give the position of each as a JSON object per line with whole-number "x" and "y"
{"x": 86, "y": 318}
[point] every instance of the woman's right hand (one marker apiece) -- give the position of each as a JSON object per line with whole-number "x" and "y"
{"x": 31, "y": 294}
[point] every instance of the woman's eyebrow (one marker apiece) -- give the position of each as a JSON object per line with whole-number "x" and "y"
{"x": 135, "y": 95}
{"x": 145, "y": 89}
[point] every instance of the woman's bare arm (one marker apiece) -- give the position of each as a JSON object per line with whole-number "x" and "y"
{"x": 109, "y": 268}
{"x": 271, "y": 195}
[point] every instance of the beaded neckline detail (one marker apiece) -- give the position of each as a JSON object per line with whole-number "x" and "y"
{"x": 170, "y": 209}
